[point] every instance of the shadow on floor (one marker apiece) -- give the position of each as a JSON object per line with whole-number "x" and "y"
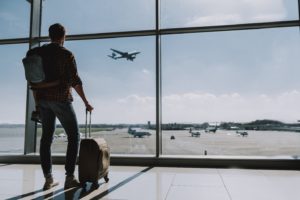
{"x": 3, "y": 165}
{"x": 80, "y": 192}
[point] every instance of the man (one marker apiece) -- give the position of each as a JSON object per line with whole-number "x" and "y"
{"x": 59, "y": 63}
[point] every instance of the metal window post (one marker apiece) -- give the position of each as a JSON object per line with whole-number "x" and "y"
{"x": 299, "y": 13}
{"x": 35, "y": 30}
{"x": 158, "y": 81}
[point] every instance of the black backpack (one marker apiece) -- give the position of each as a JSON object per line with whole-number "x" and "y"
{"x": 41, "y": 71}
{"x": 34, "y": 71}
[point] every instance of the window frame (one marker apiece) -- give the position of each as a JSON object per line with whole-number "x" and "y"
{"x": 159, "y": 160}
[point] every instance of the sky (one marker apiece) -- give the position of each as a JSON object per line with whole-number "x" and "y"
{"x": 235, "y": 76}
{"x": 222, "y": 12}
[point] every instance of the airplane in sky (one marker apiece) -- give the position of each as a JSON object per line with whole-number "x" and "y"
{"x": 116, "y": 54}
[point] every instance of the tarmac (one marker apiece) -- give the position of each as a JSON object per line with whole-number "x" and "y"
{"x": 221, "y": 143}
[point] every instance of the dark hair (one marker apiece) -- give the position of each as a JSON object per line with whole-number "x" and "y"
{"x": 56, "y": 31}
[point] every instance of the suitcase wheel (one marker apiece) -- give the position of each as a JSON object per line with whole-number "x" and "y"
{"x": 95, "y": 185}
{"x": 106, "y": 178}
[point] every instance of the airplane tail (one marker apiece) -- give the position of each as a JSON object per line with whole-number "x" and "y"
{"x": 113, "y": 57}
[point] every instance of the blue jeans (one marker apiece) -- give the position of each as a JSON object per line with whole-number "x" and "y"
{"x": 65, "y": 113}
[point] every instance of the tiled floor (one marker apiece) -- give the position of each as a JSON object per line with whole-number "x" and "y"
{"x": 142, "y": 183}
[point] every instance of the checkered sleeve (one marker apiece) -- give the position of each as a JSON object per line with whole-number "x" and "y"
{"x": 74, "y": 78}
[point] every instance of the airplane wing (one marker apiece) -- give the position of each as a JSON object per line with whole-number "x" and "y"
{"x": 119, "y": 52}
{"x": 132, "y": 56}
{"x": 134, "y": 53}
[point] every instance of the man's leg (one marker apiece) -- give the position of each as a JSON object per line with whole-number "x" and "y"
{"x": 48, "y": 128}
{"x": 67, "y": 117}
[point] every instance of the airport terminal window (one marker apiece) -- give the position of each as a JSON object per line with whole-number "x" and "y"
{"x": 122, "y": 92}
{"x": 94, "y": 16}
{"x": 13, "y": 98}
{"x": 243, "y": 84}
{"x": 14, "y": 18}
{"x": 191, "y": 13}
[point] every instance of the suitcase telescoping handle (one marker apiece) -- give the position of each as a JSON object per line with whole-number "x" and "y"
{"x": 86, "y": 123}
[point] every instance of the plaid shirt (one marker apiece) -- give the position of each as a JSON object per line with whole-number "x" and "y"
{"x": 68, "y": 75}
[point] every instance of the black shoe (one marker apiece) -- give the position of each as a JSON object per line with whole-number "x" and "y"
{"x": 50, "y": 183}
{"x": 71, "y": 182}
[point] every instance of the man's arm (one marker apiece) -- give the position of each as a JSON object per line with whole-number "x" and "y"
{"x": 79, "y": 89}
{"x": 76, "y": 82}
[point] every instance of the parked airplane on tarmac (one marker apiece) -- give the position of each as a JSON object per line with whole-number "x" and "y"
{"x": 116, "y": 54}
{"x": 62, "y": 135}
{"x": 139, "y": 134}
{"x": 242, "y": 133}
{"x": 196, "y": 134}
{"x": 211, "y": 129}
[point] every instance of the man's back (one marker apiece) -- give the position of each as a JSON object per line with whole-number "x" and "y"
{"x": 59, "y": 64}
{"x": 54, "y": 56}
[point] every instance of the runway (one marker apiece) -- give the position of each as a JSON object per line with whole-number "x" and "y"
{"x": 223, "y": 143}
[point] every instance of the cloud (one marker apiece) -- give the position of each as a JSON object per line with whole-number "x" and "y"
{"x": 216, "y": 12}
{"x": 145, "y": 71}
{"x": 194, "y": 107}
{"x": 201, "y": 107}
{"x": 8, "y": 16}
{"x": 198, "y": 107}
{"x": 136, "y": 99}
{"x": 128, "y": 109}
{"x": 214, "y": 19}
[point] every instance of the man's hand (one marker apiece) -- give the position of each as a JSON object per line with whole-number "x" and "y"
{"x": 78, "y": 88}
{"x": 89, "y": 107}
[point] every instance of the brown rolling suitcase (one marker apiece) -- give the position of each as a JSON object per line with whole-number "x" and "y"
{"x": 94, "y": 158}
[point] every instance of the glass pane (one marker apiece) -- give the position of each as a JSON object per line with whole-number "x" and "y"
{"x": 14, "y": 18}
{"x": 122, "y": 92}
{"x": 98, "y": 16}
{"x": 190, "y": 13}
{"x": 244, "y": 84}
{"x": 13, "y": 98}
